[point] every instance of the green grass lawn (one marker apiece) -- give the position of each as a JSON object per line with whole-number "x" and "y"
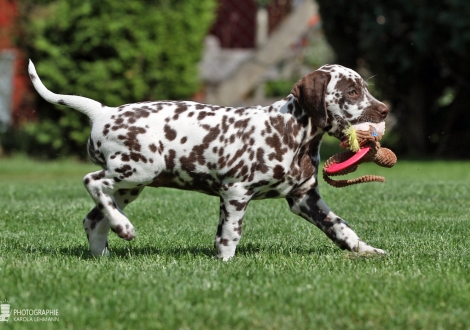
{"x": 286, "y": 273}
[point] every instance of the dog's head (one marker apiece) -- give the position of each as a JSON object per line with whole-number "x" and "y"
{"x": 334, "y": 96}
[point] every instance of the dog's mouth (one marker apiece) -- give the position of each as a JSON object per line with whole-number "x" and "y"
{"x": 350, "y": 134}
{"x": 379, "y": 127}
{"x": 367, "y": 119}
{"x": 353, "y": 140}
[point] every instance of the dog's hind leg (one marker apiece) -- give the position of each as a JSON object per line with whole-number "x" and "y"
{"x": 97, "y": 226}
{"x": 312, "y": 208}
{"x": 102, "y": 186}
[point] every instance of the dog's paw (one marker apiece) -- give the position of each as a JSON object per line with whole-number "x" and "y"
{"x": 126, "y": 231}
{"x": 365, "y": 248}
{"x": 103, "y": 254}
{"x": 224, "y": 252}
{"x": 100, "y": 252}
{"x": 224, "y": 258}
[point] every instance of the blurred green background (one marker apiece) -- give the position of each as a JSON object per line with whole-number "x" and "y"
{"x": 415, "y": 55}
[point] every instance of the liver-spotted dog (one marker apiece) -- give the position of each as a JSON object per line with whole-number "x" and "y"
{"x": 238, "y": 154}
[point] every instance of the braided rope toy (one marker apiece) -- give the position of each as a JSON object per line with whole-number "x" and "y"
{"x": 362, "y": 142}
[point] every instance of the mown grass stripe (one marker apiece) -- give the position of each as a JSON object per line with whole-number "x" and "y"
{"x": 286, "y": 273}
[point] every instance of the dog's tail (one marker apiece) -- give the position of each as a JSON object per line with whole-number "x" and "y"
{"x": 85, "y": 105}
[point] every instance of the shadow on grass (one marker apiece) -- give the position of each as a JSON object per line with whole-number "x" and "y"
{"x": 80, "y": 252}
{"x": 253, "y": 249}
{"x": 247, "y": 250}
{"x": 83, "y": 251}
{"x": 174, "y": 252}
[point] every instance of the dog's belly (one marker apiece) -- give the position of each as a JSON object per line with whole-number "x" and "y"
{"x": 200, "y": 183}
{"x": 214, "y": 184}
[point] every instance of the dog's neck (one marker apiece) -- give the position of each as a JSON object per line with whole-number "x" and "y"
{"x": 309, "y": 136}
{"x": 286, "y": 105}
{"x": 289, "y": 106}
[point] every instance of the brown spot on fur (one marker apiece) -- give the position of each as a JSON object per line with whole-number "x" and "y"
{"x": 170, "y": 159}
{"x": 242, "y": 123}
{"x": 125, "y": 170}
{"x": 95, "y": 215}
{"x": 224, "y": 241}
{"x": 275, "y": 143}
{"x": 98, "y": 176}
{"x": 170, "y": 133}
{"x": 278, "y": 172}
{"x": 239, "y": 206}
{"x": 201, "y": 115}
{"x": 106, "y": 129}
{"x": 261, "y": 164}
{"x": 118, "y": 229}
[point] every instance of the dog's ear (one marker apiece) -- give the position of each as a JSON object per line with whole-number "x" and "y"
{"x": 310, "y": 92}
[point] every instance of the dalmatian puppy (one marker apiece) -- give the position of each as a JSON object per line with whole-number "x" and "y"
{"x": 237, "y": 154}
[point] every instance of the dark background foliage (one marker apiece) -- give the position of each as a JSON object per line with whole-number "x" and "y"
{"x": 419, "y": 54}
{"x": 115, "y": 52}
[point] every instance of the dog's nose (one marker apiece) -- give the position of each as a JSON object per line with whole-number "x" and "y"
{"x": 383, "y": 110}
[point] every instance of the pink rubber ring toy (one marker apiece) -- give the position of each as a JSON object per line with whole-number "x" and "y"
{"x": 337, "y": 167}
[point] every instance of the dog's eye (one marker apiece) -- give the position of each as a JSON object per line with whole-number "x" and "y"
{"x": 352, "y": 92}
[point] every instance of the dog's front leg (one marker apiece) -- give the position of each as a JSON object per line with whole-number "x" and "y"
{"x": 312, "y": 208}
{"x": 233, "y": 203}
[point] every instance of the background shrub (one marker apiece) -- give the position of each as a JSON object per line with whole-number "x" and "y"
{"x": 419, "y": 54}
{"x": 115, "y": 52}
